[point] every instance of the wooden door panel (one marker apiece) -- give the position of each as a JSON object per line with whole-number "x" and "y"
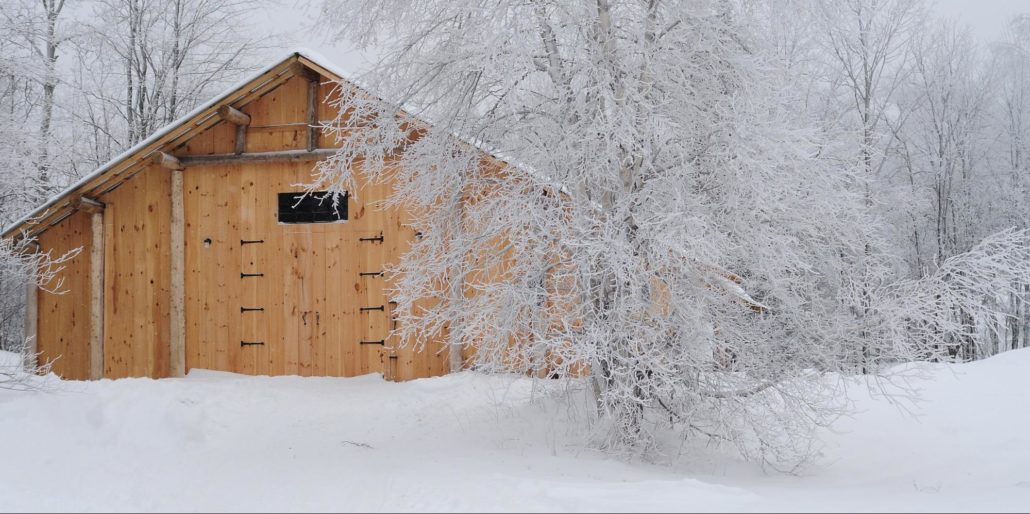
{"x": 211, "y": 247}
{"x": 373, "y": 314}
{"x": 341, "y": 315}
{"x": 303, "y": 288}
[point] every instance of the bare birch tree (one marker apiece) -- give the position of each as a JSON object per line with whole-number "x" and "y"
{"x": 34, "y": 29}
{"x": 172, "y": 55}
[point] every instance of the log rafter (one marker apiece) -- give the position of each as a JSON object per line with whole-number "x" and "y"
{"x": 284, "y": 155}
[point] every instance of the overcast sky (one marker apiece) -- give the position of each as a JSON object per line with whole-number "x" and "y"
{"x": 986, "y": 18}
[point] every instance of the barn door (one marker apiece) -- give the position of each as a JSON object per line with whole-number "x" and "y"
{"x": 303, "y": 314}
{"x": 374, "y": 311}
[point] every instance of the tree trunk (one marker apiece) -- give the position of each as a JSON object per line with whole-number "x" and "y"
{"x": 52, "y": 10}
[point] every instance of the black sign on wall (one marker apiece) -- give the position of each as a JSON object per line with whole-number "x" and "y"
{"x": 315, "y": 207}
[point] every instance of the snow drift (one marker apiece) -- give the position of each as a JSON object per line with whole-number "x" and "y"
{"x": 215, "y": 441}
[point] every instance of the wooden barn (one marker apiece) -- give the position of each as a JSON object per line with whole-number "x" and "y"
{"x": 197, "y": 254}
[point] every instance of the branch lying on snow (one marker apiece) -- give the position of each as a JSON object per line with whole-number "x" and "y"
{"x": 359, "y": 445}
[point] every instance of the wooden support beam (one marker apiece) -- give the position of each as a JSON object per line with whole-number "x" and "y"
{"x": 96, "y": 297}
{"x": 87, "y": 204}
{"x": 31, "y": 320}
{"x": 168, "y": 161}
{"x": 177, "y": 346}
{"x": 233, "y": 115}
{"x": 285, "y": 155}
{"x": 241, "y": 120}
{"x": 298, "y": 69}
{"x": 241, "y": 139}
{"x": 313, "y": 128}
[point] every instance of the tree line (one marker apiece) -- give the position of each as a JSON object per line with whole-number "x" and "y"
{"x": 83, "y": 80}
{"x": 717, "y": 210}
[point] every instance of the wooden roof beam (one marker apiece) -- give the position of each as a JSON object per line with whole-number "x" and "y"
{"x": 168, "y": 161}
{"x": 285, "y": 155}
{"x": 241, "y": 120}
{"x": 234, "y": 115}
{"x": 299, "y": 69}
{"x": 87, "y": 204}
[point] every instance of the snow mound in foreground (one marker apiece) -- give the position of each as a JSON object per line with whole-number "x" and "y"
{"x": 9, "y": 361}
{"x": 218, "y": 441}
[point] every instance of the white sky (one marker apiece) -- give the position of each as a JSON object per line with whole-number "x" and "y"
{"x": 294, "y": 19}
{"x": 986, "y": 18}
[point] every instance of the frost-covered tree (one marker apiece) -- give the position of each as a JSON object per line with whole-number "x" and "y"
{"x": 169, "y": 55}
{"x": 666, "y": 222}
{"x": 33, "y": 32}
{"x": 938, "y": 126}
{"x": 1011, "y": 63}
{"x": 868, "y": 43}
{"x": 946, "y": 139}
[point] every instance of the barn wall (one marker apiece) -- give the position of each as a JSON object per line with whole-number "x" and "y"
{"x": 310, "y": 289}
{"x": 306, "y": 270}
{"x": 63, "y": 319}
{"x": 137, "y": 276}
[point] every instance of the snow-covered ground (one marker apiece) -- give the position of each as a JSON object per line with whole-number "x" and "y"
{"x": 216, "y": 441}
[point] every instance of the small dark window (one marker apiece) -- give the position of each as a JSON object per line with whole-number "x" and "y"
{"x": 315, "y": 207}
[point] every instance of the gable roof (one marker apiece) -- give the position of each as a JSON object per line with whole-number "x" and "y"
{"x": 124, "y": 166}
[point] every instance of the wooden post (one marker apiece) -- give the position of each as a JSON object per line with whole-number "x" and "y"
{"x": 298, "y": 69}
{"x": 96, "y": 297}
{"x": 96, "y": 284}
{"x": 31, "y": 321}
{"x": 241, "y": 139}
{"x": 177, "y": 360}
{"x": 312, "y": 114}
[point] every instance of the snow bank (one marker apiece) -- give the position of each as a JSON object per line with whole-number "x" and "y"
{"x": 9, "y": 360}
{"x": 217, "y": 441}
